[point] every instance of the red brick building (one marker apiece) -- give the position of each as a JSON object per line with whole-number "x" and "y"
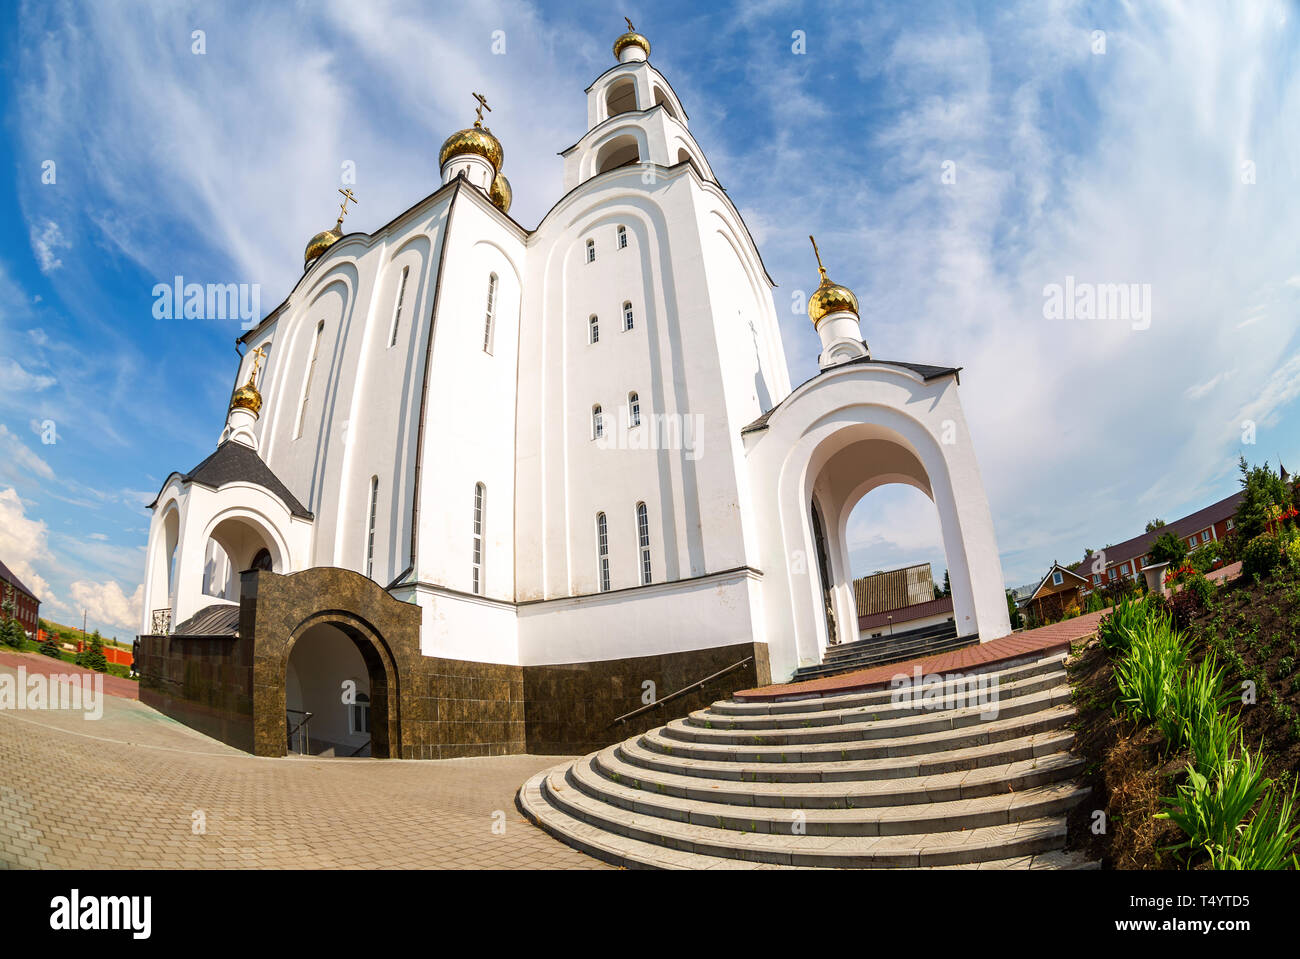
{"x": 1126, "y": 559}
{"x": 26, "y": 606}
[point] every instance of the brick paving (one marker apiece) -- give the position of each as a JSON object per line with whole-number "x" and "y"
{"x": 1031, "y": 642}
{"x": 48, "y": 666}
{"x": 121, "y": 792}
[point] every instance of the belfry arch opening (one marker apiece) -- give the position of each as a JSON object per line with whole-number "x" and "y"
{"x": 236, "y": 544}
{"x": 621, "y": 151}
{"x": 621, "y": 97}
{"x": 871, "y": 496}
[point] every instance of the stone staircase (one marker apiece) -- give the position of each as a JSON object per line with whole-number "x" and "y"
{"x": 880, "y": 650}
{"x": 850, "y": 780}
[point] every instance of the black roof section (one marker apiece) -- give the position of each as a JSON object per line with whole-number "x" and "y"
{"x": 236, "y": 463}
{"x": 219, "y": 619}
{"x": 923, "y": 370}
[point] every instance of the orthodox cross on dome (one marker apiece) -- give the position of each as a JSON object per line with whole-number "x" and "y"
{"x": 820, "y": 269}
{"x": 478, "y": 110}
{"x": 630, "y": 28}
{"x": 258, "y": 355}
{"x": 343, "y": 207}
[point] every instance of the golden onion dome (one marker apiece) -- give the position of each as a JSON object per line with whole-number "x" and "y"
{"x": 477, "y": 140}
{"x": 629, "y": 39}
{"x": 321, "y": 242}
{"x": 247, "y": 398}
{"x": 501, "y": 193}
{"x": 829, "y": 297}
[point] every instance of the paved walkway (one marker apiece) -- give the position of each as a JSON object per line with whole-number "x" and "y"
{"x": 48, "y": 666}
{"x": 125, "y": 791}
{"x": 1032, "y": 642}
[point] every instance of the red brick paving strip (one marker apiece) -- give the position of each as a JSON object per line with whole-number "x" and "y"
{"x": 48, "y": 666}
{"x": 1032, "y": 642}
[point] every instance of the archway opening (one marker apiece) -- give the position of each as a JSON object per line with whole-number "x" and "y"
{"x": 236, "y": 544}
{"x": 661, "y": 100}
{"x": 898, "y": 565}
{"x": 621, "y": 151}
{"x": 335, "y": 695}
{"x": 621, "y": 97}
{"x": 875, "y": 500}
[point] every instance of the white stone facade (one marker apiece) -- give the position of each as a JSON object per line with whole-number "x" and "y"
{"x": 432, "y": 421}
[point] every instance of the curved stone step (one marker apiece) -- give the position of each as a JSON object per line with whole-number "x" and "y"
{"x": 937, "y": 700}
{"x": 979, "y": 734}
{"x": 1036, "y": 745}
{"x": 873, "y": 726}
{"x": 1013, "y": 777}
{"x": 920, "y": 817}
{"x": 1007, "y": 841}
{"x": 813, "y": 702}
{"x": 1056, "y": 859}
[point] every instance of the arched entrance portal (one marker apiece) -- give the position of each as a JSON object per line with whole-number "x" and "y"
{"x": 846, "y": 466}
{"x": 339, "y": 691}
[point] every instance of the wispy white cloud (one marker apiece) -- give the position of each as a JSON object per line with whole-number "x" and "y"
{"x": 47, "y": 241}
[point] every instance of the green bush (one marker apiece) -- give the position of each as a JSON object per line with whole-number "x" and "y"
{"x": 1196, "y": 715}
{"x": 1262, "y": 555}
{"x": 50, "y": 647}
{"x": 1209, "y": 809}
{"x": 1268, "y": 840}
{"x": 1147, "y": 674}
{"x": 1116, "y": 628}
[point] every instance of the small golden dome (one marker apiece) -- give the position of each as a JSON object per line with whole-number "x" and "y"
{"x": 829, "y": 297}
{"x": 321, "y": 242}
{"x": 501, "y": 193}
{"x": 247, "y": 398}
{"x": 477, "y": 140}
{"x": 631, "y": 38}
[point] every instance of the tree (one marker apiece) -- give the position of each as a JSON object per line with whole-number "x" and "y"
{"x": 92, "y": 657}
{"x": 1154, "y": 525}
{"x": 1168, "y": 548}
{"x": 1262, "y": 490}
{"x": 50, "y": 646}
{"x": 947, "y": 584}
{"x": 1013, "y": 611}
{"x": 11, "y": 631}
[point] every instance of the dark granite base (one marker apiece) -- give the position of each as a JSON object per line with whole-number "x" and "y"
{"x": 422, "y": 707}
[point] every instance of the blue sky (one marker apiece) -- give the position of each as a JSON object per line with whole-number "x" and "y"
{"x": 1171, "y": 159}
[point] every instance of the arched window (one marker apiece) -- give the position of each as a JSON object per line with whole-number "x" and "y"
{"x": 593, "y": 329}
{"x": 306, "y": 383}
{"x": 602, "y": 551}
{"x": 629, "y": 320}
{"x": 491, "y": 313}
{"x": 591, "y": 251}
{"x": 622, "y": 238}
{"x": 633, "y": 409}
{"x": 597, "y": 422}
{"x": 370, "y": 526}
{"x": 480, "y": 494}
{"x": 397, "y": 310}
{"x": 359, "y": 715}
{"x": 262, "y": 560}
{"x": 643, "y": 541}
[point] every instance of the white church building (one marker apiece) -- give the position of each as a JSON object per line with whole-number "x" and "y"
{"x": 481, "y": 486}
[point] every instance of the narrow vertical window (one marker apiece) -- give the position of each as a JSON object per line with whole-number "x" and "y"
{"x": 491, "y": 313}
{"x": 593, "y": 329}
{"x": 597, "y": 422}
{"x": 306, "y": 383}
{"x": 602, "y": 551}
{"x": 622, "y": 238}
{"x": 628, "y": 320}
{"x": 643, "y": 540}
{"x": 370, "y": 527}
{"x": 479, "y": 494}
{"x": 397, "y": 310}
{"x": 633, "y": 409}
{"x": 591, "y": 251}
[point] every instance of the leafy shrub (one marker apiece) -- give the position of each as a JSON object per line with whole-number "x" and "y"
{"x": 1209, "y": 809}
{"x": 1116, "y": 628}
{"x": 1268, "y": 840}
{"x": 1262, "y": 555}
{"x": 1147, "y": 675}
{"x": 1196, "y": 709}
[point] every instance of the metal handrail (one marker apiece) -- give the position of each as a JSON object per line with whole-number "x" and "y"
{"x": 685, "y": 689}
{"x": 304, "y": 743}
